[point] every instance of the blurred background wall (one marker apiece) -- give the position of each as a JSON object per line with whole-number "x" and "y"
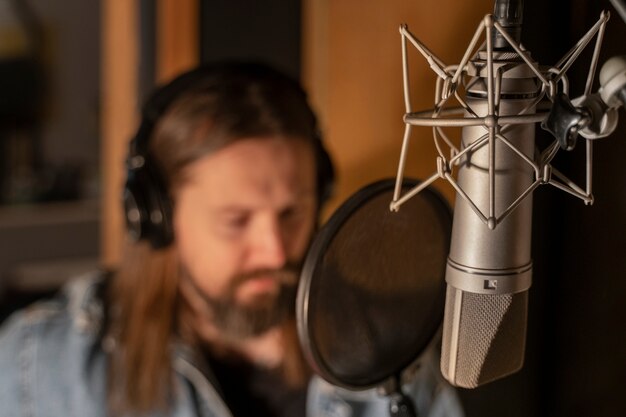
{"x": 92, "y": 63}
{"x": 49, "y": 144}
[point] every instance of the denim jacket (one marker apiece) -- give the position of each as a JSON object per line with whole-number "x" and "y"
{"x": 51, "y": 365}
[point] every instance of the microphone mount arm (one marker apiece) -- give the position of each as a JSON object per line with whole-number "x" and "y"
{"x": 587, "y": 116}
{"x": 591, "y": 116}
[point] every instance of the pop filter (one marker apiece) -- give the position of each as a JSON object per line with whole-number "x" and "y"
{"x": 372, "y": 291}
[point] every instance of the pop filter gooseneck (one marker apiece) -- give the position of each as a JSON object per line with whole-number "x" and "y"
{"x": 372, "y": 291}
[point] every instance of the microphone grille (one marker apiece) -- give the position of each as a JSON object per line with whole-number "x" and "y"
{"x": 484, "y": 336}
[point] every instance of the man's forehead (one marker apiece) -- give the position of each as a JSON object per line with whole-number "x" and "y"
{"x": 259, "y": 150}
{"x": 256, "y": 168}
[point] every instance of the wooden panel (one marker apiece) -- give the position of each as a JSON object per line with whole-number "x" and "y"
{"x": 177, "y": 37}
{"x": 119, "y": 115}
{"x": 353, "y": 70}
{"x": 176, "y": 50}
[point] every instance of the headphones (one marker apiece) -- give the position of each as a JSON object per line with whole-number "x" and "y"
{"x": 147, "y": 204}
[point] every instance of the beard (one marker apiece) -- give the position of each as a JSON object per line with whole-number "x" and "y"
{"x": 238, "y": 321}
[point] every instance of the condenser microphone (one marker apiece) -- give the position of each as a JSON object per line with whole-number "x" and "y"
{"x": 494, "y": 170}
{"x": 489, "y": 268}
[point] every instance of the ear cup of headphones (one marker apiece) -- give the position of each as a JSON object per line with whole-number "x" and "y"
{"x": 147, "y": 206}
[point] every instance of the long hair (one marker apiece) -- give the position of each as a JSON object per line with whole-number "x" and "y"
{"x": 223, "y": 104}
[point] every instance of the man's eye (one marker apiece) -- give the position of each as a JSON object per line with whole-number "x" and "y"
{"x": 234, "y": 224}
{"x": 292, "y": 213}
{"x": 237, "y": 222}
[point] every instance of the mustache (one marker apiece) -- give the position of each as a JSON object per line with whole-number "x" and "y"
{"x": 288, "y": 275}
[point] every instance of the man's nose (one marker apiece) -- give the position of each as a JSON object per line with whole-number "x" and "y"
{"x": 268, "y": 250}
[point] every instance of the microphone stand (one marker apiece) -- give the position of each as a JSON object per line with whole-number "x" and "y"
{"x": 400, "y": 404}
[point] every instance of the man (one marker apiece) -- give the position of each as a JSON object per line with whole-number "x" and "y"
{"x": 226, "y": 177}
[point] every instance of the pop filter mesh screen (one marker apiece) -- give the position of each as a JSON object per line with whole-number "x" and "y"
{"x": 372, "y": 291}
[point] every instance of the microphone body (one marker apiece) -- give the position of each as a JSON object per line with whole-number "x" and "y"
{"x": 489, "y": 268}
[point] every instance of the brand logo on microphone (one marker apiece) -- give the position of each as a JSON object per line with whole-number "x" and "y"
{"x": 490, "y": 284}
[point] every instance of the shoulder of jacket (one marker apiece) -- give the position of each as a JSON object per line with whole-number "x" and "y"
{"x": 46, "y": 351}
{"x": 76, "y": 305}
